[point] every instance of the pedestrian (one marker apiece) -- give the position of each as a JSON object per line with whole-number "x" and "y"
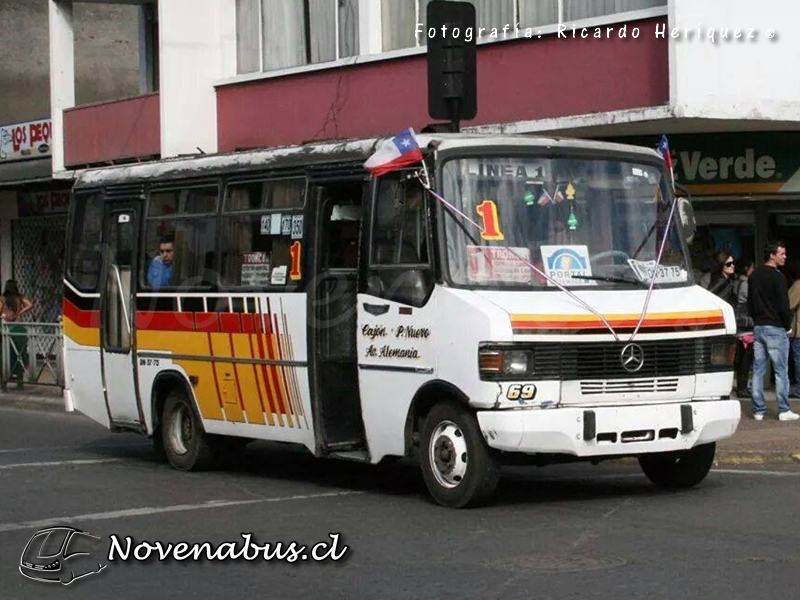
{"x": 723, "y": 278}
{"x": 768, "y": 303}
{"x": 743, "y": 360}
{"x": 12, "y": 306}
{"x": 794, "y": 304}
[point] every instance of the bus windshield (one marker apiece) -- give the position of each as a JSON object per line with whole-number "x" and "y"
{"x": 581, "y": 221}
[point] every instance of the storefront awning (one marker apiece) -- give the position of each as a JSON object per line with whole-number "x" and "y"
{"x": 22, "y": 172}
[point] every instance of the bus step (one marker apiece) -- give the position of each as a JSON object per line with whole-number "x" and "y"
{"x": 356, "y": 455}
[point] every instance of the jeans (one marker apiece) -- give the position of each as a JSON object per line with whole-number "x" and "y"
{"x": 796, "y": 360}
{"x": 772, "y": 342}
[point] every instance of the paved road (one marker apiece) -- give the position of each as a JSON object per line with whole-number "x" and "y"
{"x": 572, "y": 531}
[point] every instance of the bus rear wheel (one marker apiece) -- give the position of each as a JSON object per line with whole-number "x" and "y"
{"x": 186, "y": 445}
{"x": 457, "y": 465}
{"x": 682, "y": 469}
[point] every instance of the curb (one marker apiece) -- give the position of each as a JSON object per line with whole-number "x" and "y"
{"x": 745, "y": 457}
{"x": 30, "y": 402}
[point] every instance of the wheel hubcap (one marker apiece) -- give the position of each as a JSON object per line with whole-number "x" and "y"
{"x": 181, "y": 430}
{"x": 448, "y": 454}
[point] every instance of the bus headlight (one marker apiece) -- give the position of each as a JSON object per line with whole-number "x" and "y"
{"x": 722, "y": 354}
{"x": 495, "y": 362}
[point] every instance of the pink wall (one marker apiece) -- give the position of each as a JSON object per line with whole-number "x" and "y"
{"x": 520, "y": 80}
{"x": 109, "y": 131}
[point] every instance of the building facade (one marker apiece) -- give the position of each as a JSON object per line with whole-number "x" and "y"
{"x": 33, "y": 205}
{"x": 237, "y": 74}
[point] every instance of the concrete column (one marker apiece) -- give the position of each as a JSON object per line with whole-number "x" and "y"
{"x": 62, "y": 73}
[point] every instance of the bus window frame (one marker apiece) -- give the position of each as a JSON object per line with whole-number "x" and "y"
{"x": 428, "y": 269}
{"x": 501, "y": 151}
{"x": 303, "y": 209}
{"x": 156, "y": 187}
{"x": 70, "y": 242}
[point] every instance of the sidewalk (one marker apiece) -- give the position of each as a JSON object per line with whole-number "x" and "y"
{"x": 755, "y": 442}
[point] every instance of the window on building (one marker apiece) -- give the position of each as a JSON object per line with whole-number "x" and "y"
{"x": 85, "y": 259}
{"x": 262, "y": 231}
{"x": 587, "y": 9}
{"x": 185, "y": 220}
{"x": 276, "y": 34}
{"x": 536, "y": 13}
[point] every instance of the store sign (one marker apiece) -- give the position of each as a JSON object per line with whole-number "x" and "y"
{"x": 25, "y": 140}
{"x": 734, "y": 163}
{"x": 787, "y": 220}
{"x": 37, "y": 204}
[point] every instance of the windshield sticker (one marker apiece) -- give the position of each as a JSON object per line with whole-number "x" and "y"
{"x": 566, "y": 264}
{"x": 297, "y": 227}
{"x": 278, "y": 275}
{"x": 498, "y": 264}
{"x": 516, "y": 170}
{"x": 255, "y": 268}
{"x": 490, "y": 230}
{"x": 666, "y": 273}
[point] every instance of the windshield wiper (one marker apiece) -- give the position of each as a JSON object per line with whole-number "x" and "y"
{"x": 610, "y": 279}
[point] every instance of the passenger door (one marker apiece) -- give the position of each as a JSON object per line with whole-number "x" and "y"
{"x": 333, "y": 317}
{"x": 116, "y": 313}
{"x": 396, "y": 313}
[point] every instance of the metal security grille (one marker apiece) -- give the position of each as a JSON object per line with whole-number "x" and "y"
{"x": 38, "y": 260}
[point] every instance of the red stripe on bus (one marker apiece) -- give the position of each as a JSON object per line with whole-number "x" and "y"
{"x": 81, "y": 318}
{"x": 206, "y": 321}
{"x": 230, "y": 323}
{"x": 216, "y": 379}
{"x": 248, "y": 323}
{"x": 267, "y": 382}
{"x": 164, "y": 321}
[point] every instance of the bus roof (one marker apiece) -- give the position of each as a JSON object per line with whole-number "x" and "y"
{"x": 340, "y": 151}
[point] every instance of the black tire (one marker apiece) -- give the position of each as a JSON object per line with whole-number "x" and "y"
{"x": 457, "y": 465}
{"x": 187, "y": 446}
{"x": 676, "y": 470}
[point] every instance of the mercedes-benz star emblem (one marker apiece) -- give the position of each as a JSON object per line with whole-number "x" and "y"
{"x": 632, "y": 358}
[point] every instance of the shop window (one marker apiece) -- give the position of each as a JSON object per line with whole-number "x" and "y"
{"x": 275, "y": 34}
{"x": 262, "y": 233}
{"x": 180, "y": 235}
{"x": 85, "y": 259}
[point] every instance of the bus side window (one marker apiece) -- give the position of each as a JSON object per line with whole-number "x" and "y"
{"x": 262, "y": 225}
{"x": 400, "y": 266}
{"x": 85, "y": 259}
{"x": 186, "y": 220}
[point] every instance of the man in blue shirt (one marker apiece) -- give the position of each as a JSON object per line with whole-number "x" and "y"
{"x": 159, "y": 274}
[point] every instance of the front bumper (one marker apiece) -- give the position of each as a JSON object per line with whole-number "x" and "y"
{"x": 618, "y": 430}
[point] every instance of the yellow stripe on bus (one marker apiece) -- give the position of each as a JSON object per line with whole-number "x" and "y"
{"x": 83, "y": 336}
{"x": 188, "y": 342}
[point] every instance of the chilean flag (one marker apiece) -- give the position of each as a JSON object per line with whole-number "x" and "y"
{"x": 663, "y": 148}
{"x": 400, "y": 151}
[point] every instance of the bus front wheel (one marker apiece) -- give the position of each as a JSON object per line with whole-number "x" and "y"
{"x": 682, "y": 469}
{"x": 457, "y": 465}
{"x": 186, "y": 445}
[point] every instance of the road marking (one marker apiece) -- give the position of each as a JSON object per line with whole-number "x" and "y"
{"x": 757, "y": 472}
{"x": 152, "y": 510}
{"x": 61, "y": 463}
{"x": 76, "y": 448}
